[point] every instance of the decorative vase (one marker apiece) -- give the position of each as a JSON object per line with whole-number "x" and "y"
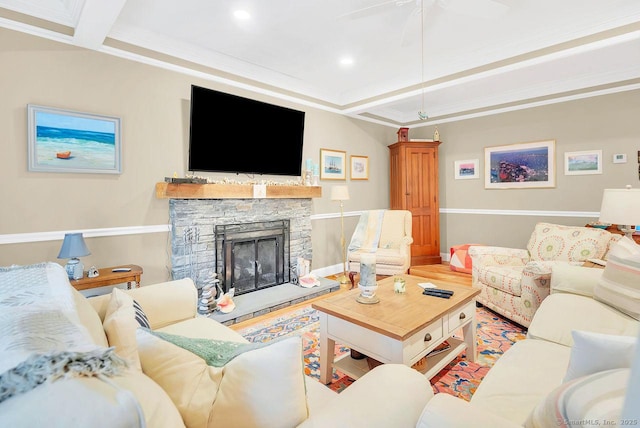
{"x": 368, "y": 284}
{"x": 367, "y": 294}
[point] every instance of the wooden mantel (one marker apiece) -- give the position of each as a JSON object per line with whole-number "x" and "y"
{"x": 231, "y": 191}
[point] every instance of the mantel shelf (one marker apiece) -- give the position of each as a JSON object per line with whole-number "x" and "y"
{"x": 231, "y": 191}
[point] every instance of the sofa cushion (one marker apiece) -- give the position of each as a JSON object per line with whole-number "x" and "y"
{"x": 619, "y": 285}
{"x": 596, "y": 352}
{"x": 232, "y": 395}
{"x": 567, "y": 278}
{"x": 568, "y": 243}
{"x": 598, "y": 397}
{"x": 120, "y": 325}
{"x": 89, "y": 318}
{"x": 384, "y": 256}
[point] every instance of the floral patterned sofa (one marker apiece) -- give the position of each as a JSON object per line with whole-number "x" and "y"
{"x": 514, "y": 281}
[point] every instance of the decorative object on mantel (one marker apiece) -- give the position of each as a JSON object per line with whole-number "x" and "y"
{"x": 73, "y": 246}
{"x": 341, "y": 194}
{"x": 368, "y": 284}
{"x": 621, "y": 207}
{"x": 190, "y": 180}
{"x": 403, "y": 134}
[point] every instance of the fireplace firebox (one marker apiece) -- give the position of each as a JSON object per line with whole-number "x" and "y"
{"x": 253, "y": 256}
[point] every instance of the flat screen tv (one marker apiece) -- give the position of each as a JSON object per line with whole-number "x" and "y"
{"x": 233, "y": 134}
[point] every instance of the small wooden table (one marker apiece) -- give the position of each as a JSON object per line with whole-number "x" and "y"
{"x": 108, "y": 277}
{"x": 402, "y": 328}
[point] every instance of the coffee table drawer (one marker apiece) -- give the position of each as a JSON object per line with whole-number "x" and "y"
{"x": 461, "y": 316}
{"x": 426, "y": 338}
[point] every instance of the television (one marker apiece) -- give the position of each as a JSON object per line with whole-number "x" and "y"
{"x": 229, "y": 133}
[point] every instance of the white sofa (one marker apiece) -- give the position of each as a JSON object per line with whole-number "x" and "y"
{"x": 573, "y": 368}
{"x": 168, "y": 386}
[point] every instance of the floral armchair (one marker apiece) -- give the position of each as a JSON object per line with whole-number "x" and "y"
{"x": 513, "y": 282}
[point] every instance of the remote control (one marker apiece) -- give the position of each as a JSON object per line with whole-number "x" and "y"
{"x": 445, "y": 294}
{"x": 122, "y": 269}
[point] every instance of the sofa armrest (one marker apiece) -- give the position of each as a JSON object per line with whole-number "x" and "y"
{"x": 167, "y": 302}
{"x": 390, "y": 395}
{"x": 484, "y": 255}
{"x": 405, "y": 245}
{"x": 447, "y": 411}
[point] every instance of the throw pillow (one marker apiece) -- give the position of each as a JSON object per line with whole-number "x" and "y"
{"x": 120, "y": 325}
{"x": 141, "y": 317}
{"x": 596, "y": 352}
{"x": 233, "y": 395}
{"x": 568, "y": 278}
{"x": 567, "y": 243}
{"x": 597, "y": 398}
{"x": 619, "y": 286}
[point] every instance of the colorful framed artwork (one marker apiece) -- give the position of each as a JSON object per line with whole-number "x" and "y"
{"x": 71, "y": 141}
{"x": 466, "y": 169}
{"x": 359, "y": 167}
{"x": 520, "y": 166}
{"x": 583, "y": 162}
{"x": 333, "y": 164}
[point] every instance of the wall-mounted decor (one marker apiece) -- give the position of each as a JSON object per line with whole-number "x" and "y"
{"x": 333, "y": 164}
{"x": 619, "y": 158}
{"x": 520, "y": 166}
{"x": 359, "y": 167}
{"x": 583, "y": 162}
{"x": 466, "y": 169}
{"x": 71, "y": 141}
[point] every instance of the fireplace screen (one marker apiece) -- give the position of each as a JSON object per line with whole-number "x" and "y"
{"x": 253, "y": 256}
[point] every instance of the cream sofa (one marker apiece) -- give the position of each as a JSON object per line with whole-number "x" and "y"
{"x": 573, "y": 368}
{"x": 167, "y": 386}
{"x": 514, "y": 281}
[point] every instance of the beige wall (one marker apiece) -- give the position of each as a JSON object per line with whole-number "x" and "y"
{"x": 154, "y": 106}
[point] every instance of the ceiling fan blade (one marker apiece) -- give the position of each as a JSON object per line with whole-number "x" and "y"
{"x": 370, "y": 10}
{"x": 486, "y": 9}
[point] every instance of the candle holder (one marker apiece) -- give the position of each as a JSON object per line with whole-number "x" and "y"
{"x": 399, "y": 285}
{"x": 368, "y": 284}
{"x": 367, "y": 294}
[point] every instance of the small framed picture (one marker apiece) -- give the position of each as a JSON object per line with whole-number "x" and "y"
{"x": 333, "y": 164}
{"x": 359, "y": 167}
{"x": 583, "y": 163}
{"x": 466, "y": 169}
{"x": 620, "y": 158}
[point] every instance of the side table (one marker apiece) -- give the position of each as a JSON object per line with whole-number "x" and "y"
{"x": 108, "y": 277}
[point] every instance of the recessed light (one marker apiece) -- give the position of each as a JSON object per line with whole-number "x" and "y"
{"x": 346, "y": 61}
{"x": 242, "y": 15}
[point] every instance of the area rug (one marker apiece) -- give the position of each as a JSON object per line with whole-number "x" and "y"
{"x": 460, "y": 378}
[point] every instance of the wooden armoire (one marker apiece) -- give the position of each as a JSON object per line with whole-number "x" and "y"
{"x": 414, "y": 187}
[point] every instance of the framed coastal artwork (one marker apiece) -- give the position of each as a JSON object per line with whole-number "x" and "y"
{"x": 466, "y": 169}
{"x": 359, "y": 167}
{"x": 520, "y": 166}
{"x": 71, "y": 141}
{"x": 583, "y": 162}
{"x": 333, "y": 164}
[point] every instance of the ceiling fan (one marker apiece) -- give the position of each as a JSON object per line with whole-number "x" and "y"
{"x": 483, "y": 9}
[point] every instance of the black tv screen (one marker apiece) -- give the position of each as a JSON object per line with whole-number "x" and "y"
{"x": 233, "y": 134}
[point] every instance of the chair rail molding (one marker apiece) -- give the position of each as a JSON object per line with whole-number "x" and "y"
{"x": 19, "y": 238}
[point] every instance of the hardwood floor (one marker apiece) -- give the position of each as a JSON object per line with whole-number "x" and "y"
{"x": 440, "y": 272}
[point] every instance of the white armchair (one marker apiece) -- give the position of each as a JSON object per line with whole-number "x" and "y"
{"x": 387, "y": 234}
{"x": 513, "y": 282}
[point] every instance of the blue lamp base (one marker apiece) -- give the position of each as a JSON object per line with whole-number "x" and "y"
{"x": 75, "y": 269}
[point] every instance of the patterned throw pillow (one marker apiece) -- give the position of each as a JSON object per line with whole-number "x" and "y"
{"x": 141, "y": 317}
{"x": 567, "y": 243}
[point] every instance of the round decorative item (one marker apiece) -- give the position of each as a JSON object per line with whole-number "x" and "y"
{"x": 367, "y": 294}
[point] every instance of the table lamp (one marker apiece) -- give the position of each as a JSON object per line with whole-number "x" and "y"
{"x": 73, "y": 247}
{"x": 341, "y": 194}
{"x": 621, "y": 207}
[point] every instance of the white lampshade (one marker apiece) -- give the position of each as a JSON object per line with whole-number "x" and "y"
{"x": 621, "y": 206}
{"x": 339, "y": 193}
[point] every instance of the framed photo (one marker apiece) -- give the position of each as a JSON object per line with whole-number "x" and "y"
{"x": 333, "y": 164}
{"x": 359, "y": 167}
{"x": 466, "y": 169}
{"x": 520, "y": 166}
{"x": 72, "y": 141}
{"x": 583, "y": 163}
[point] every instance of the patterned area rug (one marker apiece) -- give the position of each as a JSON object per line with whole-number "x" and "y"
{"x": 461, "y": 378}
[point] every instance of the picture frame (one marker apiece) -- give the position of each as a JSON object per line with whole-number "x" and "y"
{"x": 466, "y": 169}
{"x": 62, "y": 140}
{"x": 520, "y": 166}
{"x": 583, "y": 162}
{"x": 333, "y": 164}
{"x": 359, "y": 167}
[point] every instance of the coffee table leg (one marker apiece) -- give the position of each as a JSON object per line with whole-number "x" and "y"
{"x": 327, "y": 348}
{"x": 469, "y": 337}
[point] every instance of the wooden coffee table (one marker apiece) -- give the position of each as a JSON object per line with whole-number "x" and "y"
{"x": 402, "y": 328}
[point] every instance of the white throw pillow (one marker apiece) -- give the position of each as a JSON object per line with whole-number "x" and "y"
{"x": 587, "y": 401}
{"x": 568, "y": 278}
{"x": 120, "y": 325}
{"x": 619, "y": 286}
{"x": 596, "y": 352}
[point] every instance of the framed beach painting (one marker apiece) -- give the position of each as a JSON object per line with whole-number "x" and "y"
{"x": 333, "y": 164}
{"x": 71, "y": 141}
{"x": 466, "y": 169}
{"x": 359, "y": 167}
{"x": 520, "y": 166}
{"x": 583, "y": 162}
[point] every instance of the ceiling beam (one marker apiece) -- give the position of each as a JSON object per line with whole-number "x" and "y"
{"x": 95, "y": 22}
